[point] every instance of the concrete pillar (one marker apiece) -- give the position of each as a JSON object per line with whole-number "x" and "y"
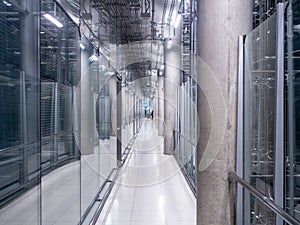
{"x": 30, "y": 71}
{"x": 160, "y": 115}
{"x": 87, "y": 107}
{"x": 219, "y": 25}
{"x": 124, "y": 106}
{"x": 172, "y": 79}
{"x": 155, "y": 111}
{"x": 134, "y": 113}
{"x": 113, "y": 106}
{"x": 119, "y": 122}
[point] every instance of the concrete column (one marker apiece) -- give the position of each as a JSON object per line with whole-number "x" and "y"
{"x": 160, "y": 115}
{"x": 87, "y": 107}
{"x": 124, "y": 106}
{"x": 133, "y": 113}
{"x": 30, "y": 71}
{"x": 113, "y": 107}
{"x": 219, "y": 25}
{"x": 119, "y": 122}
{"x": 172, "y": 79}
{"x": 155, "y": 111}
{"x": 130, "y": 110}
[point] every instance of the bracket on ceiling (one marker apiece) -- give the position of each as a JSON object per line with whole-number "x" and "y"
{"x": 145, "y": 11}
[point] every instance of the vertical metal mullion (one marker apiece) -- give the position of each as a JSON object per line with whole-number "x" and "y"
{"x": 55, "y": 123}
{"x": 279, "y": 109}
{"x": 240, "y": 133}
{"x": 291, "y": 107}
{"x": 119, "y": 123}
{"x": 23, "y": 129}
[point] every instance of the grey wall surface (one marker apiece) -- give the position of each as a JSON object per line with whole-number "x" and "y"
{"x": 219, "y": 25}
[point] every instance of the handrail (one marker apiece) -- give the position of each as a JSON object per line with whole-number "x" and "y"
{"x": 264, "y": 199}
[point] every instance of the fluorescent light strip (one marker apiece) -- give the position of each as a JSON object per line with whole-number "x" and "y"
{"x": 6, "y": 3}
{"x": 82, "y": 46}
{"x": 93, "y": 58}
{"x": 53, "y": 20}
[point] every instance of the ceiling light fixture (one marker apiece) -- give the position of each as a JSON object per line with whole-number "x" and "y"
{"x": 7, "y": 3}
{"x": 93, "y": 58}
{"x": 82, "y": 46}
{"x": 53, "y": 20}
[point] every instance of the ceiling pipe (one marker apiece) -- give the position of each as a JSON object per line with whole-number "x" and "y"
{"x": 152, "y": 22}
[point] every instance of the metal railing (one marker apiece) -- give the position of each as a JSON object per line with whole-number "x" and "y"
{"x": 233, "y": 177}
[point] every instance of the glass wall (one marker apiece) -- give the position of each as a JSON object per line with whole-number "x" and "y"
{"x": 59, "y": 77}
{"x": 262, "y": 166}
{"x": 186, "y": 137}
{"x": 292, "y": 110}
{"x": 19, "y": 115}
{"x": 58, "y": 123}
{"x": 259, "y": 119}
{"x": 186, "y": 133}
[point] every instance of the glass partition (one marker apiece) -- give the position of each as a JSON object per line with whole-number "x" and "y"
{"x": 292, "y": 106}
{"x": 59, "y": 150}
{"x": 259, "y": 106}
{"x": 58, "y": 117}
{"x": 98, "y": 92}
{"x": 186, "y": 135}
{"x": 20, "y": 172}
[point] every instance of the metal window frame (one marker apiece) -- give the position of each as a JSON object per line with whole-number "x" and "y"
{"x": 240, "y": 132}
{"x": 279, "y": 109}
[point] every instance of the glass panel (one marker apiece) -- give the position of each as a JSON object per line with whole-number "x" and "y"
{"x": 98, "y": 93}
{"x": 60, "y": 152}
{"x": 260, "y": 58}
{"x": 19, "y": 123}
{"x": 260, "y": 213}
{"x": 292, "y": 104}
{"x": 90, "y": 165}
{"x": 186, "y": 134}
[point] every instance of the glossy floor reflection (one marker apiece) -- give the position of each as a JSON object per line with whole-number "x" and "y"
{"x": 150, "y": 189}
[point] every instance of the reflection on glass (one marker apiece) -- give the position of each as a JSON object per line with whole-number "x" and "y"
{"x": 98, "y": 126}
{"x": 260, "y": 52}
{"x": 186, "y": 135}
{"x": 59, "y": 150}
{"x": 19, "y": 127}
{"x": 292, "y": 103}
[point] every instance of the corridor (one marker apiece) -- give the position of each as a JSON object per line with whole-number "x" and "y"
{"x": 150, "y": 189}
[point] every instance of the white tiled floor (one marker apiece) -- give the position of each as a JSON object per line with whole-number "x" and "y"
{"x": 150, "y": 189}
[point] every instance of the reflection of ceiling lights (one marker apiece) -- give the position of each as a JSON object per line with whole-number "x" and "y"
{"x": 169, "y": 44}
{"x": 7, "y": 3}
{"x": 297, "y": 27}
{"x": 82, "y": 46}
{"x": 53, "y": 20}
{"x": 177, "y": 21}
{"x": 93, "y": 58}
{"x": 173, "y": 19}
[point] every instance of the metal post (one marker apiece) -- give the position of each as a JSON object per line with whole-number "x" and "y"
{"x": 240, "y": 130}
{"x": 23, "y": 119}
{"x": 291, "y": 108}
{"x": 279, "y": 109}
